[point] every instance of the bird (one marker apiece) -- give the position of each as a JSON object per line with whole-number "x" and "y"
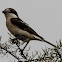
{"x": 20, "y": 29}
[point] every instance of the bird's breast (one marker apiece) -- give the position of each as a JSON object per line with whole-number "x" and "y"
{"x": 12, "y": 28}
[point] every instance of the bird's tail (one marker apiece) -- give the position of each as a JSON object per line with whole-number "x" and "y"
{"x": 42, "y": 39}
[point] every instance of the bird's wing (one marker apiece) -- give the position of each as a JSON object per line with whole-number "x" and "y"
{"x": 22, "y": 25}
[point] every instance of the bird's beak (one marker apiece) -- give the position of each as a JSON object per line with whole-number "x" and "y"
{"x": 4, "y": 11}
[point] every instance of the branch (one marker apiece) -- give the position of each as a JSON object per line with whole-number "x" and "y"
{"x": 8, "y": 51}
{"x": 15, "y": 41}
{"x": 21, "y": 50}
{"x": 58, "y": 53}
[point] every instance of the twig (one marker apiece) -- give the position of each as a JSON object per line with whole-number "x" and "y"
{"x": 58, "y": 54}
{"x": 21, "y": 50}
{"x": 8, "y": 52}
{"x": 16, "y": 56}
{"x": 15, "y": 41}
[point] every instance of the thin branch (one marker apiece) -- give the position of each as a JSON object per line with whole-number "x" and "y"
{"x": 8, "y": 52}
{"x": 21, "y": 50}
{"x": 15, "y": 41}
{"x": 58, "y": 54}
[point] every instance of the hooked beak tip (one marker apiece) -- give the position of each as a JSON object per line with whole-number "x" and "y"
{"x": 3, "y": 11}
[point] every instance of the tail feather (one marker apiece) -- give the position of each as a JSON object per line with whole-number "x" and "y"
{"x": 42, "y": 39}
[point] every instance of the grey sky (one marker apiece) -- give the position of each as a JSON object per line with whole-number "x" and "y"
{"x": 44, "y": 16}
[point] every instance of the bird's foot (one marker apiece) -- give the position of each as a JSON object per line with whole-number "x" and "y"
{"x": 22, "y": 43}
{"x": 15, "y": 40}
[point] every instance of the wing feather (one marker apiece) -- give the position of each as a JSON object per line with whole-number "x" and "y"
{"x": 22, "y": 25}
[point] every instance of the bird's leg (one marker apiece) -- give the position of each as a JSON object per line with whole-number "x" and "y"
{"x": 21, "y": 51}
{"x": 24, "y": 39}
{"x": 25, "y": 45}
{"x": 15, "y": 40}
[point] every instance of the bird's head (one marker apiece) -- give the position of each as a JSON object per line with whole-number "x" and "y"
{"x": 10, "y": 12}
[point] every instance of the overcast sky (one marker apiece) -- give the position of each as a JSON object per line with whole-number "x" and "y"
{"x": 44, "y": 16}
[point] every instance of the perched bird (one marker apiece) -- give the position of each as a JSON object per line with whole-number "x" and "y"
{"x": 19, "y": 28}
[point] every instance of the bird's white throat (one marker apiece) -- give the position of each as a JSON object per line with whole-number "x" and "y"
{"x": 11, "y": 15}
